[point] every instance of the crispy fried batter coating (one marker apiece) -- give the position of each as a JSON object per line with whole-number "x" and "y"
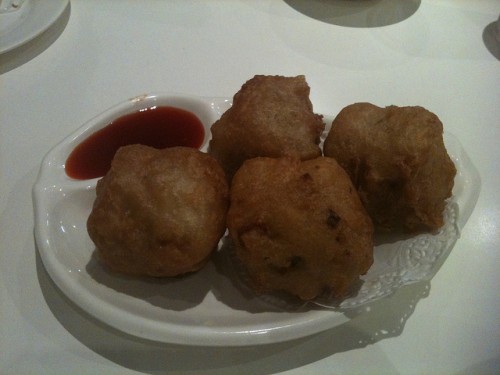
{"x": 397, "y": 161}
{"x": 299, "y": 226}
{"x": 159, "y": 212}
{"x": 270, "y": 116}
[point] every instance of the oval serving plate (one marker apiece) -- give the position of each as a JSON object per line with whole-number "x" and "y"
{"x": 210, "y": 307}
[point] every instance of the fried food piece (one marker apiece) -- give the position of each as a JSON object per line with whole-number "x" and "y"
{"x": 397, "y": 161}
{"x": 299, "y": 227}
{"x": 270, "y": 116}
{"x": 159, "y": 212}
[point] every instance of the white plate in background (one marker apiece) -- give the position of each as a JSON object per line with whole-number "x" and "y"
{"x": 30, "y": 20}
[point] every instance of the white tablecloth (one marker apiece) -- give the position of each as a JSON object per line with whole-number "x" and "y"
{"x": 435, "y": 53}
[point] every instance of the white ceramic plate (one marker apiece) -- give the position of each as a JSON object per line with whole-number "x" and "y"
{"x": 30, "y": 20}
{"x": 209, "y": 307}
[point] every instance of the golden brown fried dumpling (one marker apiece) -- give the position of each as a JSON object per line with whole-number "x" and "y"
{"x": 397, "y": 161}
{"x": 159, "y": 212}
{"x": 299, "y": 227}
{"x": 270, "y": 116}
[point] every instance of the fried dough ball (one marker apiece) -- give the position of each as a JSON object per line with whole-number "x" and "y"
{"x": 397, "y": 161}
{"x": 270, "y": 116}
{"x": 159, "y": 212}
{"x": 299, "y": 227}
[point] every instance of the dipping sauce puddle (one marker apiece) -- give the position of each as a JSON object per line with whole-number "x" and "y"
{"x": 158, "y": 127}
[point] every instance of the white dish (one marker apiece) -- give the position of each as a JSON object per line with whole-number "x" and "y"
{"x": 31, "y": 19}
{"x": 209, "y": 307}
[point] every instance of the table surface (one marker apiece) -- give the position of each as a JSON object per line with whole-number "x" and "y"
{"x": 439, "y": 54}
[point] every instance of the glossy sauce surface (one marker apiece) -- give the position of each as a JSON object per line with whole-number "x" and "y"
{"x": 158, "y": 127}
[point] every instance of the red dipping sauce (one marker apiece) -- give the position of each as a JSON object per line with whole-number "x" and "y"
{"x": 158, "y": 127}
